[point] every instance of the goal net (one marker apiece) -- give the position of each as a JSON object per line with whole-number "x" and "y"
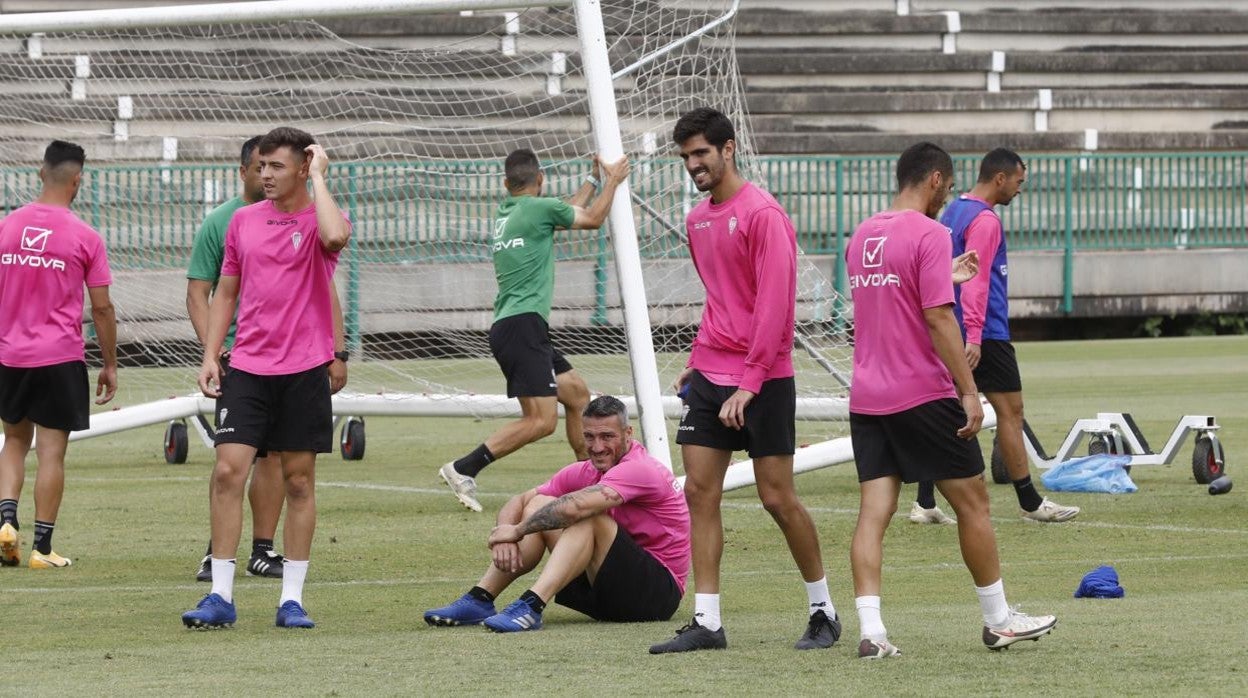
{"x": 417, "y": 113}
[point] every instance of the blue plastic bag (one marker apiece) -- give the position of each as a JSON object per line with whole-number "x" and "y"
{"x": 1099, "y": 473}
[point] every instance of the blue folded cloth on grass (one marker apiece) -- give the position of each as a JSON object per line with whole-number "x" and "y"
{"x": 1100, "y": 473}
{"x": 1100, "y": 583}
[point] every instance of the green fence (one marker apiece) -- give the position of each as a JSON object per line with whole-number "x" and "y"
{"x": 414, "y": 212}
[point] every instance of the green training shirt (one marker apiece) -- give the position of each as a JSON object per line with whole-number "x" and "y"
{"x": 208, "y": 251}
{"x": 524, "y": 258}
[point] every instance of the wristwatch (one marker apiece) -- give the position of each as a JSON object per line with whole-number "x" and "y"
{"x": 342, "y": 356}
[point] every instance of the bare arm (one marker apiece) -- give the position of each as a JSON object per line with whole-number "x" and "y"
{"x": 593, "y": 217}
{"x": 583, "y": 195}
{"x": 942, "y": 326}
{"x": 220, "y": 312}
{"x": 563, "y": 512}
{"x": 105, "y": 321}
{"x": 337, "y": 368}
{"x": 332, "y": 227}
{"x": 198, "y": 295}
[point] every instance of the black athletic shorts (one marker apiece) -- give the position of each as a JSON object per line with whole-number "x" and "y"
{"x": 53, "y": 397}
{"x": 917, "y": 444}
{"x": 769, "y": 418}
{"x": 997, "y": 371}
{"x": 289, "y": 412}
{"x": 522, "y": 348}
{"x": 631, "y": 586}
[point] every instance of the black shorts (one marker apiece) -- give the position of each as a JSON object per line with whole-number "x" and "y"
{"x": 917, "y": 444}
{"x": 997, "y": 371}
{"x": 631, "y": 586}
{"x": 53, "y": 397}
{"x": 521, "y": 346}
{"x": 769, "y": 418}
{"x": 289, "y": 412}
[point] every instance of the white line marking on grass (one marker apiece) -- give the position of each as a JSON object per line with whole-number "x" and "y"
{"x": 203, "y": 587}
{"x": 1163, "y": 528}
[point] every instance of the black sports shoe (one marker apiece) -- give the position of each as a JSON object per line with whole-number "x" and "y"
{"x": 205, "y": 570}
{"x": 692, "y": 637}
{"x": 821, "y": 633}
{"x": 265, "y": 564}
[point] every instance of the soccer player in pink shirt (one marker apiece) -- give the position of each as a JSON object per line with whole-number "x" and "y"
{"x": 914, "y": 408}
{"x": 616, "y": 527}
{"x": 738, "y": 384}
{"x": 47, "y": 255}
{"x": 280, "y": 256}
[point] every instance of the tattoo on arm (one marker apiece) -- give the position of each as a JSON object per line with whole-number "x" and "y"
{"x": 566, "y": 510}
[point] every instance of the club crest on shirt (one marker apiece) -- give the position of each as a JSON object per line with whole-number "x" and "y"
{"x": 296, "y": 238}
{"x": 732, "y": 225}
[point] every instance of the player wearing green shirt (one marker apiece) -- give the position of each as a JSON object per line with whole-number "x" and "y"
{"x": 524, "y": 263}
{"x": 267, "y": 491}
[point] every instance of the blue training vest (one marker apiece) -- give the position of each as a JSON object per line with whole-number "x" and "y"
{"x": 957, "y": 217}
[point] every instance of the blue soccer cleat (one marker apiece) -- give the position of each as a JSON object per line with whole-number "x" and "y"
{"x": 210, "y": 613}
{"x": 292, "y": 615}
{"x": 462, "y": 611}
{"x": 518, "y": 616}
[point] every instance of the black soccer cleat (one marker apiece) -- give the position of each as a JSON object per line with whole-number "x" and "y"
{"x": 692, "y": 637}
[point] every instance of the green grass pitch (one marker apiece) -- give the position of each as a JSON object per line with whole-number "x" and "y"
{"x": 391, "y": 543}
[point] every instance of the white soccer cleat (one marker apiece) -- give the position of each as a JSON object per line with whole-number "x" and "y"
{"x": 876, "y": 649}
{"x": 463, "y": 486}
{"x": 919, "y": 515}
{"x": 1051, "y": 512}
{"x": 1019, "y": 627}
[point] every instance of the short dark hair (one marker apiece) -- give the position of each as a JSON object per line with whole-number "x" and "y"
{"x": 521, "y": 168}
{"x": 606, "y": 406}
{"x": 999, "y": 160}
{"x": 709, "y": 123}
{"x": 286, "y": 136}
{"x": 921, "y": 160}
{"x": 60, "y": 152}
{"x": 248, "y": 146}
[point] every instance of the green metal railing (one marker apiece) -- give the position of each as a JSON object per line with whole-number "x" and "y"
{"x": 441, "y": 211}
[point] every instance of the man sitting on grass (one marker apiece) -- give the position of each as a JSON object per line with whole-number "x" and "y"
{"x": 617, "y": 529}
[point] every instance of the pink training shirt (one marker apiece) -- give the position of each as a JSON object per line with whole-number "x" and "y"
{"x": 47, "y": 254}
{"x": 899, "y": 265}
{"x": 984, "y": 236}
{"x": 745, "y": 251}
{"x": 285, "y": 319}
{"x": 654, "y": 512}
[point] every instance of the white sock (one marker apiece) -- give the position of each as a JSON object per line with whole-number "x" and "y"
{"x": 992, "y": 603}
{"x": 223, "y": 579}
{"x": 870, "y": 624}
{"x": 820, "y": 599}
{"x": 706, "y": 611}
{"x": 293, "y": 574}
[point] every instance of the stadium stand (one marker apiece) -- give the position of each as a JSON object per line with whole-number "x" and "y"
{"x": 860, "y": 79}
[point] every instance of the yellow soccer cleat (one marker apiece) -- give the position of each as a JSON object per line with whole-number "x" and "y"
{"x": 10, "y": 546}
{"x": 39, "y": 561}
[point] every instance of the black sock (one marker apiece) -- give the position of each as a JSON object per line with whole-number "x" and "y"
{"x": 1028, "y": 498}
{"x": 533, "y": 600}
{"x": 481, "y": 595}
{"x": 259, "y": 546}
{"x": 8, "y": 512}
{"x": 43, "y": 536}
{"x": 474, "y": 462}
{"x": 927, "y": 494}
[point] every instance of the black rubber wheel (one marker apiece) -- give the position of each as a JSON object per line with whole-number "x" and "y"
{"x": 1099, "y": 443}
{"x": 1000, "y": 474}
{"x": 1205, "y": 466}
{"x": 352, "y": 441}
{"x": 176, "y": 443}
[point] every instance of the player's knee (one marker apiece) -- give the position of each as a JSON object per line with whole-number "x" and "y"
{"x": 227, "y": 475}
{"x": 542, "y": 426}
{"x": 298, "y": 487}
{"x": 779, "y": 503}
{"x": 574, "y": 393}
{"x": 699, "y": 496}
{"x": 537, "y": 502}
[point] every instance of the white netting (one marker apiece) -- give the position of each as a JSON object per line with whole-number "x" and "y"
{"x": 417, "y": 113}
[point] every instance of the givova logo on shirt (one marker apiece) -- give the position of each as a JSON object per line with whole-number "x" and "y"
{"x": 34, "y": 241}
{"x": 500, "y": 227}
